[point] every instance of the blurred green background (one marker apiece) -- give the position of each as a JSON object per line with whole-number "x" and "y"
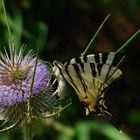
{"x": 62, "y": 29}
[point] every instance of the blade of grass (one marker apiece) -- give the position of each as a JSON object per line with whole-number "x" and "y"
{"x": 29, "y": 108}
{"x": 8, "y": 27}
{"x": 94, "y": 37}
{"x": 128, "y": 41}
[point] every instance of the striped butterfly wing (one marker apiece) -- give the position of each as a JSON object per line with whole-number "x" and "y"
{"x": 86, "y": 86}
{"x": 102, "y": 66}
{"x": 90, "y": 75}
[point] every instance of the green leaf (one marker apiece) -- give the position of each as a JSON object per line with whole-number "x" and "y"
{"x": 84, "y": 129}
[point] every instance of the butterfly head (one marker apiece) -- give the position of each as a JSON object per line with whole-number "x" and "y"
{"x": 59, "y": 78}
{"x": 57, "y": 68}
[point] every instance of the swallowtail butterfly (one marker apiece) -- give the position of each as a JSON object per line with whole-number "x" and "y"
{"x": 90, "y": 76}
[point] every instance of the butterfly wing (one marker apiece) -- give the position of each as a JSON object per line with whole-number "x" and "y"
{"x": 102, "y": 65}
{"x": 89, "y": 82}
{"x": 89, "y": 75}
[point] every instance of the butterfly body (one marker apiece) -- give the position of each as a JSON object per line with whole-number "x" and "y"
{"x": 89, "y": 76}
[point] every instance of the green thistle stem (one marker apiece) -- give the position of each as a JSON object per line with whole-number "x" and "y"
{"x": 94, "y": 37}
{"x": 27, "y": 131}
{"x": 128, "y": 41}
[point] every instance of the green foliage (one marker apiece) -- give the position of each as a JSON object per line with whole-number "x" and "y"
{"x": 134, "y": 117}
{"x": 90, "y": 130}
{"x": 5, "y": 137}
{"x": 33, "y": 32}
{"x": 85, "y": 128}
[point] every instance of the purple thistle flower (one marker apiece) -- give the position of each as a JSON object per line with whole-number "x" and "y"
{"x": 16, "y": 72}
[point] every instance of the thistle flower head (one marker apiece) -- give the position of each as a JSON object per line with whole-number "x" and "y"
{"x": 16, "y": 72}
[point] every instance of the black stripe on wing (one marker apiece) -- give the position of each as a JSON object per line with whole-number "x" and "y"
{"x": 70, "y": 77}
{"x": 92, "y": 66}
{"x": 104, "y": 57}
{"x": 107, "y": 75}
{"x": 85, "y": 59}
{"x": 99, "y": 67}
{"x": 78, "y": 60}
{"x": 77, "y": 70}
{"x": 82, "y": 66}
{"x": 96, "y": 69}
